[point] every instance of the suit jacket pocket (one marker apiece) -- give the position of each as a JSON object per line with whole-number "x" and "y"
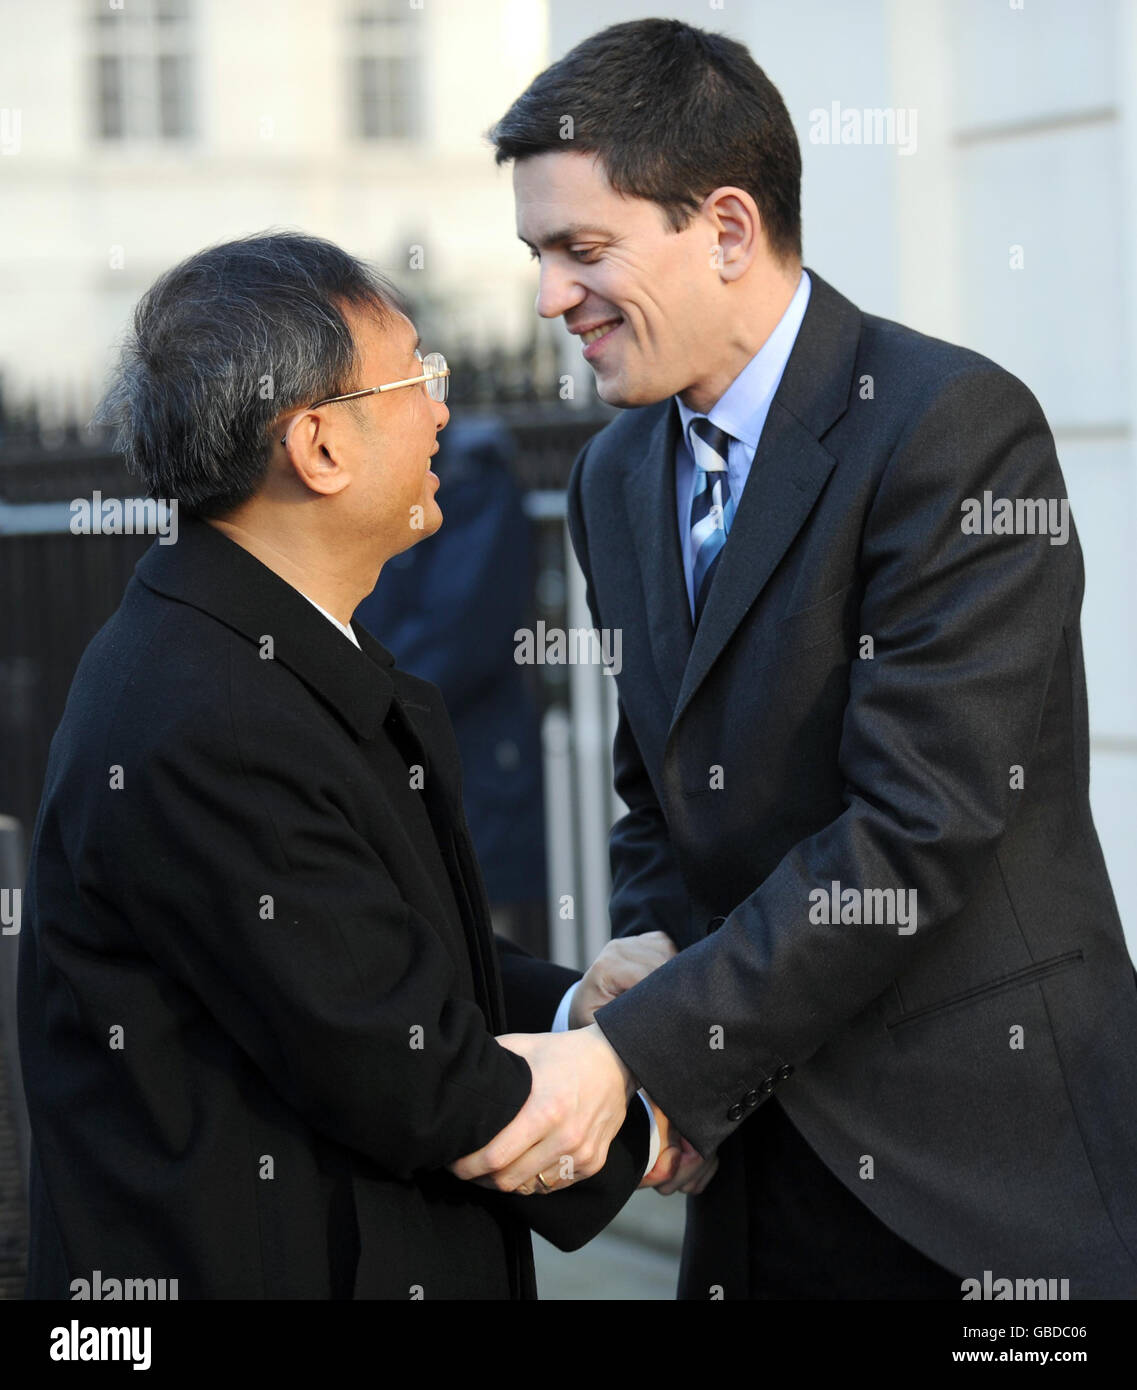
{"x": 1040, "y": 970}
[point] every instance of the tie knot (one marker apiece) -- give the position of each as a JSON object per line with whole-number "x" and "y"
{"x": 710, "y": 446}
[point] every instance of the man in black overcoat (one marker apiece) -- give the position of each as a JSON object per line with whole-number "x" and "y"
{"x": 258, "y": 992}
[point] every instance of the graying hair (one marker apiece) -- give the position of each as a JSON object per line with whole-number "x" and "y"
{"x": 221, "y": 346}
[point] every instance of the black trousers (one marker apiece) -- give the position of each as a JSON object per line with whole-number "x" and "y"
{"x": 809, "y": 1235}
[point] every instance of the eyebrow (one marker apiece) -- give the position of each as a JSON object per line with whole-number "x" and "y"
{"x": 566, "y": 234}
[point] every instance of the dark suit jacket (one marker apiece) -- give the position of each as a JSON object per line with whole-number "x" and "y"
{"x": 258, "y": 990}
{"x": 890, "y": 771}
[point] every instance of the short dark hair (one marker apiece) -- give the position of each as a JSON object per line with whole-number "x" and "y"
{"x": 672, "y": 112}
{"x": 221, "y": 345}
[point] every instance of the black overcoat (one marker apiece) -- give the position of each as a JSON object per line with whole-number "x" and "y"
{"x": 258, "y": 990}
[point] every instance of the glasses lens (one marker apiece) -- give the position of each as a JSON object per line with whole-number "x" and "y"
{"x": 439, "y": 384}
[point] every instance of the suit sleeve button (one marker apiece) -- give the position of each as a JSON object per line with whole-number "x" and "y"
{"x": 736, "y": 1112}
{"x": 784, "y": 1073}
{"x": 767, "y": 1086}
{"x": 751, "y": 1098}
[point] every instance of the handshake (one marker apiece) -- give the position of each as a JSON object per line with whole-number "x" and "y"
{"x": 580, "y": 1093}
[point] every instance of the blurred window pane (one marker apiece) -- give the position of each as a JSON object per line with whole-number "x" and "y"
{"x": 370, "y": 13}
{"x": 143, "y": 62}
{"x": 384, "y": 40}
{"x": 109, "y": 97}
{"x": 173, "y": 95}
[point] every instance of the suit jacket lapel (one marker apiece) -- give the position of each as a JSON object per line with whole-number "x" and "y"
{"x": 649, "y": 492}
{"x": 788, "y": 473}
{"x": 789, "y": 470}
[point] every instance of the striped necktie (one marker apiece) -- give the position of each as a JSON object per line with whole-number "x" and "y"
{"x": 712, "y": 507}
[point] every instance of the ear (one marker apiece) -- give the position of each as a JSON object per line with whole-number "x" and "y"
{"x": 736, "y": 227}
{"x": 318, "y": 454}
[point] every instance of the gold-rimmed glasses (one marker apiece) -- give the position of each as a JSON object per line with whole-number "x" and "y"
{"x": 435, "y": 377}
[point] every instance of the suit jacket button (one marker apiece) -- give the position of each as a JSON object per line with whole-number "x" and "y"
{"x": 784, "y": 1073}
{"x": 751, "y": 1098}
{"x": 714, "y": 924}
{"x": 736, "y": 1112}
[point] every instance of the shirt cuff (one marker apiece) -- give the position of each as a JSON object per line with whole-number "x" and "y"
{"x": 653, "y": 1147}
{"x": 561, "y": 1021}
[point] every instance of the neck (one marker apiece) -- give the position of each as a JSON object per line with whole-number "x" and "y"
{"x": 756, "y": 312}
{"x": 338, "y": 576}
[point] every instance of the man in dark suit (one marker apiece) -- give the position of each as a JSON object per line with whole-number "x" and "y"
{"x": 258, "y": 990}
{"x": 852, "y": 732}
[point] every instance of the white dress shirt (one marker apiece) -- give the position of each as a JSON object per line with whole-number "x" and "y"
{"x": 343, "y": 627}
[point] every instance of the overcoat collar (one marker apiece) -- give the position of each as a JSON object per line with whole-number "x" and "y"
{"x": 207, "y": 570}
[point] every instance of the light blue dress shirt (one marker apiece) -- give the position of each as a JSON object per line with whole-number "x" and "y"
{"x": 741, "y": 411}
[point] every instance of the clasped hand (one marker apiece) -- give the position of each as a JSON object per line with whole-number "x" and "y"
{"x": 576, "y": 1105}
{"x": 580, "y": 1093}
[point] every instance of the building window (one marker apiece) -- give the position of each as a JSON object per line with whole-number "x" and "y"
{"x": 143, "y": 66}
{"x": 384, "y": 48}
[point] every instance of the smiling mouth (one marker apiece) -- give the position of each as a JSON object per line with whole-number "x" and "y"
{"x": 600, "y": 331}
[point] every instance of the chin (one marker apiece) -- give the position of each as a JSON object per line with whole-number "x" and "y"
{"x": 627, "y": 395}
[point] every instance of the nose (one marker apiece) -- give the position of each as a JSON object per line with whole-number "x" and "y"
{"x": 441, "y": 415}
{"x": 557, "y": 291}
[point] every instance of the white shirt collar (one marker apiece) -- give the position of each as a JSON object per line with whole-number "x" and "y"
{"x": 343, "y": 627}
